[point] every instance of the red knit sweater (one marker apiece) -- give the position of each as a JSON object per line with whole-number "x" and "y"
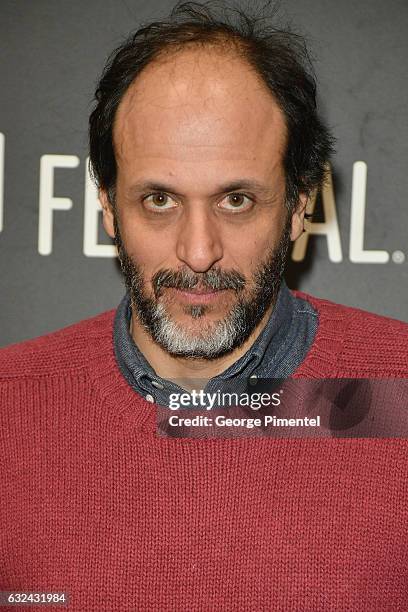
{"x": 94, "y": 503}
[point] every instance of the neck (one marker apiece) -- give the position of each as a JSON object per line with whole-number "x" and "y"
{"x": 186, "y": 370}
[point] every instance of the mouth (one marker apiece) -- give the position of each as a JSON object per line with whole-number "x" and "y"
{"x": 199, "y": 296}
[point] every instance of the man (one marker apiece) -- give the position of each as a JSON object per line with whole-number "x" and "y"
{"x": 205, "y": 145}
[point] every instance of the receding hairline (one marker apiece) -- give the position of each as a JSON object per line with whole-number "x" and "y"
{"x": 227, "y": 45}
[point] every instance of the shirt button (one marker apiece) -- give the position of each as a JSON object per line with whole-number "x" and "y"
{"x": 253, "y": 379}
{"x": 150, "y": 398}
{"x": 156, "y": 384}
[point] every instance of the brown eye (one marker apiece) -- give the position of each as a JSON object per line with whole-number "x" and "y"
{"x": 236, "y": 201}
{"x": 159, "y": 199}
{"x": 156, "y": 201}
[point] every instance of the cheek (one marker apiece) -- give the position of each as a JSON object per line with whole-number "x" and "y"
{"x": 147, "y": 248}
{"x": 246, "y": 252}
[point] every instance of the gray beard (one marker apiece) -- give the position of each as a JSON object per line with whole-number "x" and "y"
{"x": 214, "y": 339}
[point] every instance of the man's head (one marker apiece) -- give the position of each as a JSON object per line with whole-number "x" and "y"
{"x": 205, "y": 145}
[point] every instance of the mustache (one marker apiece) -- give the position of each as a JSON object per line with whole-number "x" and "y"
{"x": 214, "y": 279}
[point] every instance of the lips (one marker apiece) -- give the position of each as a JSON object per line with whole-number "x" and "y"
{"x": 198, "y": 295}
{"x": 196, "y": 291}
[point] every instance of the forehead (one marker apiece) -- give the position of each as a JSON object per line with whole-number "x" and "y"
{"x": 199, "y": 106}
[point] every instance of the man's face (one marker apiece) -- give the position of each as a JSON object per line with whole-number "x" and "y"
{"x": 200, "y": 218}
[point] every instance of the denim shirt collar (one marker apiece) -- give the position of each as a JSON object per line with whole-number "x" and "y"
{"x": 274, "y": 347}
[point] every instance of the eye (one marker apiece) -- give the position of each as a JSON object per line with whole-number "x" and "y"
{"x": 159, "y": 201}
{"x": 236, "y": 201}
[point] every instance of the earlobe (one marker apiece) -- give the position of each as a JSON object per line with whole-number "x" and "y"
{"x": 107, "y": 213}
{"x": 298, "y": 217}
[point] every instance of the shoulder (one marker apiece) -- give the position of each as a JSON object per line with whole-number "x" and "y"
{"x": 362, "y": 320}
{"x": 360, "y": 342}
{"x": 56, "y": 352}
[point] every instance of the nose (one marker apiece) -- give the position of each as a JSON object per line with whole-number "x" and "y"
{"x": 198, "y": 241}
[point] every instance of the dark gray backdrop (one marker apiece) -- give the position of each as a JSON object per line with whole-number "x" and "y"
{"x": 51, "y": 55}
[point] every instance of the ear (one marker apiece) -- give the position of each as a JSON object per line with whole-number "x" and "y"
{"x": 298, "y": 217}
{"x": 107, "y": 213}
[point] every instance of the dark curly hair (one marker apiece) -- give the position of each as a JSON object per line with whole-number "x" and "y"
{"x": 278, "y": 56}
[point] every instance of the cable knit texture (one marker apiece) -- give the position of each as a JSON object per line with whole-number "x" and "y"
{"x": 94, "y": 503}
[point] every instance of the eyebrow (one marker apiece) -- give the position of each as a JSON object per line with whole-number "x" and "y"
{"x": 152, "y": 185}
